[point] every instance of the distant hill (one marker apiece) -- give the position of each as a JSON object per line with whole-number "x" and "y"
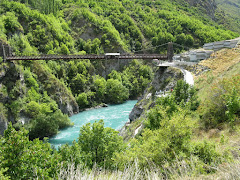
{"x": 231, "y": 10}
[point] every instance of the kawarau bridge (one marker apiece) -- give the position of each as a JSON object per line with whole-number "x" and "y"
{"x": 6, "y": 53}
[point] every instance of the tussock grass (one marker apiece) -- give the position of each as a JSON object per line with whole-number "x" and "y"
{"x": 225, "y": 63}
{"x": 179, "y": 170}
{"x": 229, "y": 171}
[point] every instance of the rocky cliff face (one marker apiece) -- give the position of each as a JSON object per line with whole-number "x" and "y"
{"x": 56, "y": 90}
{"x": 164, "y": 80}
{"x": 105, "y": 67}
{"x": 9, "y": 78}
{"x": 67, "y": 105}
{"x": 3, "y": 125}
{"x": 3, "y": 119}
{"x": 13, "y": 90}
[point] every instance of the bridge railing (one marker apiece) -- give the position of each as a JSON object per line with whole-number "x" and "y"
{"x": 7, "y": 55}
{"x": 93, "y": 56}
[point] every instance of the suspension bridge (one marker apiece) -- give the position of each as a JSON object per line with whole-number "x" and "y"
{"x": 6, "y": 53}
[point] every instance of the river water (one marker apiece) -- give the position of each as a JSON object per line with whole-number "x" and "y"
{"x": 114, "y": 116}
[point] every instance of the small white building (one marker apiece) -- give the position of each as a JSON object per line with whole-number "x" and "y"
{"x": 112, "y": 55}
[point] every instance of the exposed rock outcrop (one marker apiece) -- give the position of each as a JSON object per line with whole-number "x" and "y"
{"x": 165, "y": 79}
{"x": 56, "y": 90}
{"x": 66, "y": 105}
{"x": 105, "y": 67}
{"x": 3, "y": 125}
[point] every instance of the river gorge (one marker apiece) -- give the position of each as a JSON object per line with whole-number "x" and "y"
{"x": 114, "y": 116}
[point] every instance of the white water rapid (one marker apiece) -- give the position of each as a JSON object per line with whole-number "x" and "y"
{"x": 188, "y": 77}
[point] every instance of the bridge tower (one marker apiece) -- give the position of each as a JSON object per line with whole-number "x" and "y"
{"x": 2, "y": 51}
{"x": 5, "y": 50}
{"x": 170, "y": 52}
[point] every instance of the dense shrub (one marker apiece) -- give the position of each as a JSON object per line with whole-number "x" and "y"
{"x": 223, "y": 104}
{"x": 116, "y": 92}
{"x": 98, "y": 144}
{"x": 24, "y": 159}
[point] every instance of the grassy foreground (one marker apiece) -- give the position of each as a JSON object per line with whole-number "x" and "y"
{"x": 179, "y": 171}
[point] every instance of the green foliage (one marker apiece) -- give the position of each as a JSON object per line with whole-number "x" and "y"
{"x": 71, "y": 154}
{"x": 115, "y": 75}
{"x": 136, "y": 77}
{"x": 3, "y": 177}
{"x": 45, "y": 6}
{"x": 183, "y": 96}
{"x": 184, "y": 93}
{"x": 207, "y": 152}
{"x": 33, "y": 109}
{"x": 227, "y": 13}
{"x": 99, "y": 86}
{"x": 95, "y": 27}
{"x": 11, "y": 23}
{"x": 170, "y": 140}
{"x": 45, "y": 116}
{"x": 116, "y": 92}
{"x": 47, "y": 123}
{"x": 223, "y": 104}
{"x": 78, "y": 83}
{"x": 22, "y": 46}
{"x": 90, "y": 47}
{"x": 82, "y": 100}
{"x": 43, "y": 32}
{"x": 24, "y": 159}
{"x": 98, "y": 144}
{"x": 30, "y": 80}
{"x": 165, "y": 107}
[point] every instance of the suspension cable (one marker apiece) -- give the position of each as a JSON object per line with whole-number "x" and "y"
{"x": 179, "y": 45}
{"x": 153, "y": 47}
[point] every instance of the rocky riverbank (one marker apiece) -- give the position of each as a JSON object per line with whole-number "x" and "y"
{"x": 165, "y": 79}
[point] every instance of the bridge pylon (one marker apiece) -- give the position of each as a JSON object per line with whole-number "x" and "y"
{"x": 5, "y": 51}
{"x": 2, "y": 51}
{"x": 170, "y": 52}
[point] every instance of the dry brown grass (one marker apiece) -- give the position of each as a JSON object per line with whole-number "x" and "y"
{"x": 179, "y": 171}
{"x": 224, "y": 63}
{"x": 222, "y": 60}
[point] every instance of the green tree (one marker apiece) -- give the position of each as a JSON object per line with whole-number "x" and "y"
{"x": 78, "y": 84}
{"x": 116, "y": 92}
{"x": 223, "y": 104}
{"x": 24, "y": 159}
{"x": 99, "y": 85}
{"x": 161, "y": 145}
{"x": 115, "y": 75}
{"x": 82, "y": 100}
{"x": 185, "y": 94}
{"x": 64, "y": 49}
{"x": 98, "y": 144}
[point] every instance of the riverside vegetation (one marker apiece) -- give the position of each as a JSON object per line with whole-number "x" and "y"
{"x": 37, "y": 97}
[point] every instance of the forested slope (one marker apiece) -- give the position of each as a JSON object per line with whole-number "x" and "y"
{"x": 229, "y": 9}
{"x": 41, "y": 95}
{"x": 39, "y": 89}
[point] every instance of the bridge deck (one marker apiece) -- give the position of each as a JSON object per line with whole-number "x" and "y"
{"x": 72, "y": 57}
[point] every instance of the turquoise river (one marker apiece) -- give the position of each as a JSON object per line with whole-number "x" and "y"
{"x": 114, "y": 116}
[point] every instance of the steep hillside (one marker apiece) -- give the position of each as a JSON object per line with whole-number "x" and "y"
{"x": 223, "y": 64}
{"x": 119, "y": 25}
{"x": 231, "y": 10}
{"x": 88, "y": 27}
{"x": 173, "y": 134}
